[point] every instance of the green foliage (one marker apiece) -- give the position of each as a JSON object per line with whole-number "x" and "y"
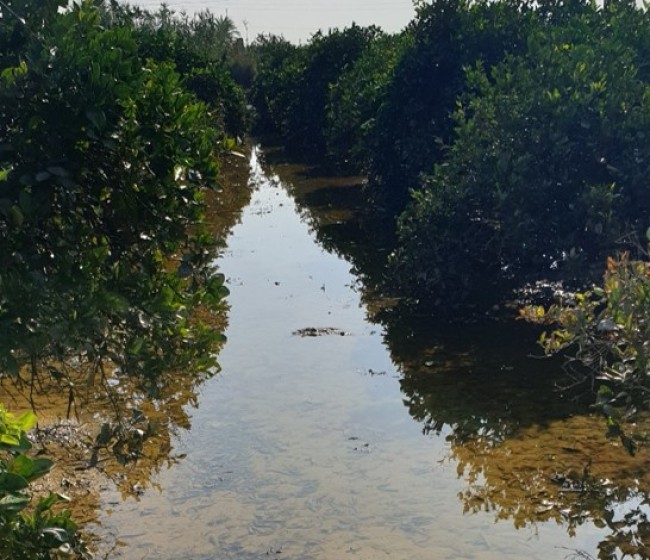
{"x": 547, "y": 169}
{"x": 607, "y": 330}
{"x": 293, "y": 85}
{"x": 414, "y": 122}
{"x": 217, "y": 88}
{"x": 104, "y": 158}
{"x": 205, "y": 49}
{"x": 271, "y": 93}
{"x": 30, "y": 532}
{"x": 325, "y": 58}
{"x": 356, "y": 98}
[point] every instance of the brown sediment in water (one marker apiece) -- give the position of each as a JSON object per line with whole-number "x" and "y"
{"x": 545, "y": 472}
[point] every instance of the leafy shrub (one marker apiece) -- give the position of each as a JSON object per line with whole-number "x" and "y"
{"x": 271, "y": 93}
{"x": 291, "y": 92}
{"x": 607, "y": 330}
{"x": 103, "y": 164}
{"x": 30, "y": 532}
{"x": 548, "y": 166}
{"x": 414, "y": 122}
{"x": 355, "y": 100}
{"x": 216, "y": 87}
{"x": 325, "y": 57}
{"x": 205, "y": 50}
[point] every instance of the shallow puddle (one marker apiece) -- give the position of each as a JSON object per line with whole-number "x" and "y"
{"x": 364, "y": 441}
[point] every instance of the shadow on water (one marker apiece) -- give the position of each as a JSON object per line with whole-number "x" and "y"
{"x": 526, "y": 445}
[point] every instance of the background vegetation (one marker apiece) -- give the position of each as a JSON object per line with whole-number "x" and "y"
{"x": 504, "y": 142}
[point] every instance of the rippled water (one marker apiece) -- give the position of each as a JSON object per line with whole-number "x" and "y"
{"x": 383, "y": 442}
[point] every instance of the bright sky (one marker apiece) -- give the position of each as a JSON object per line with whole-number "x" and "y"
{"x": 296, "y": 20}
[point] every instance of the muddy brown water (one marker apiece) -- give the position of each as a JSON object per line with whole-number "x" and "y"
{"x": 369, "y": 440}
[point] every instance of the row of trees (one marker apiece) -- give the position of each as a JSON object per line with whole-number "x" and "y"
{"x": 503, "y": 141}
{"x": 111, "y": 120}
{"x": 105, "y": 153}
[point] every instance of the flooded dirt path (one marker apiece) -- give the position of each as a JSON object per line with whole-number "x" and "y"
{"x": 330, "y": 447}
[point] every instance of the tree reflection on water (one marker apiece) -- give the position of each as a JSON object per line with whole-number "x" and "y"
{"x": 528, "y": 451}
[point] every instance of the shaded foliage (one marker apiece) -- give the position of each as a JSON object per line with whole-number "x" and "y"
{"x": 547, "y": 168}
{"x": 356, "y": 98}
{"x": 293, "y": 87}
{"x": 271, "y": 93}
{"x": 414, "y": 122}
{"x": 606, "y": 330}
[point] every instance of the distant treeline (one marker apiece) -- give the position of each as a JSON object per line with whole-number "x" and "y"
{"x": 504, "y": 141}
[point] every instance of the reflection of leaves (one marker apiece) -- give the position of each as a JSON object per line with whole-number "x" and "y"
{"x": 566, "y": 471}
{"x": 528, "y": 452}
{"x": 476, "y": 379}
{"x": 631, "y": 535}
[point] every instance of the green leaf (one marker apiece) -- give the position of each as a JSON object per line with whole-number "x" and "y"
{"x": 117, "y": 303}
{"x": 97, "y": 117}
{"x": 16, "y": 216}
{"x": 135, "y": 346}
{"x": 22, "y": 466}
{"x": 24, "y": 444}
{"x": 13, "y": 504}
{"x": 53, "y": 498}
{"x": 26, "y": 421}
{"x": 223, "y": 292}
{"x": 25, "y": 201}
{"x": 10, "y": 482}
{"x": 41, "y": 468}
{"x": 10, "y": 439}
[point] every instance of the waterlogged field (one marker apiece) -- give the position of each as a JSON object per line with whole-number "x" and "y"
{"x": 329, "y": 435}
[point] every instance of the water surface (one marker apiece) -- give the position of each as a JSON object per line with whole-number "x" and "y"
{"x": 401, "y": 441}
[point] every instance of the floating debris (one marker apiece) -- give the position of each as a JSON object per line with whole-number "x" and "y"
{"x": 320, "y": 331}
